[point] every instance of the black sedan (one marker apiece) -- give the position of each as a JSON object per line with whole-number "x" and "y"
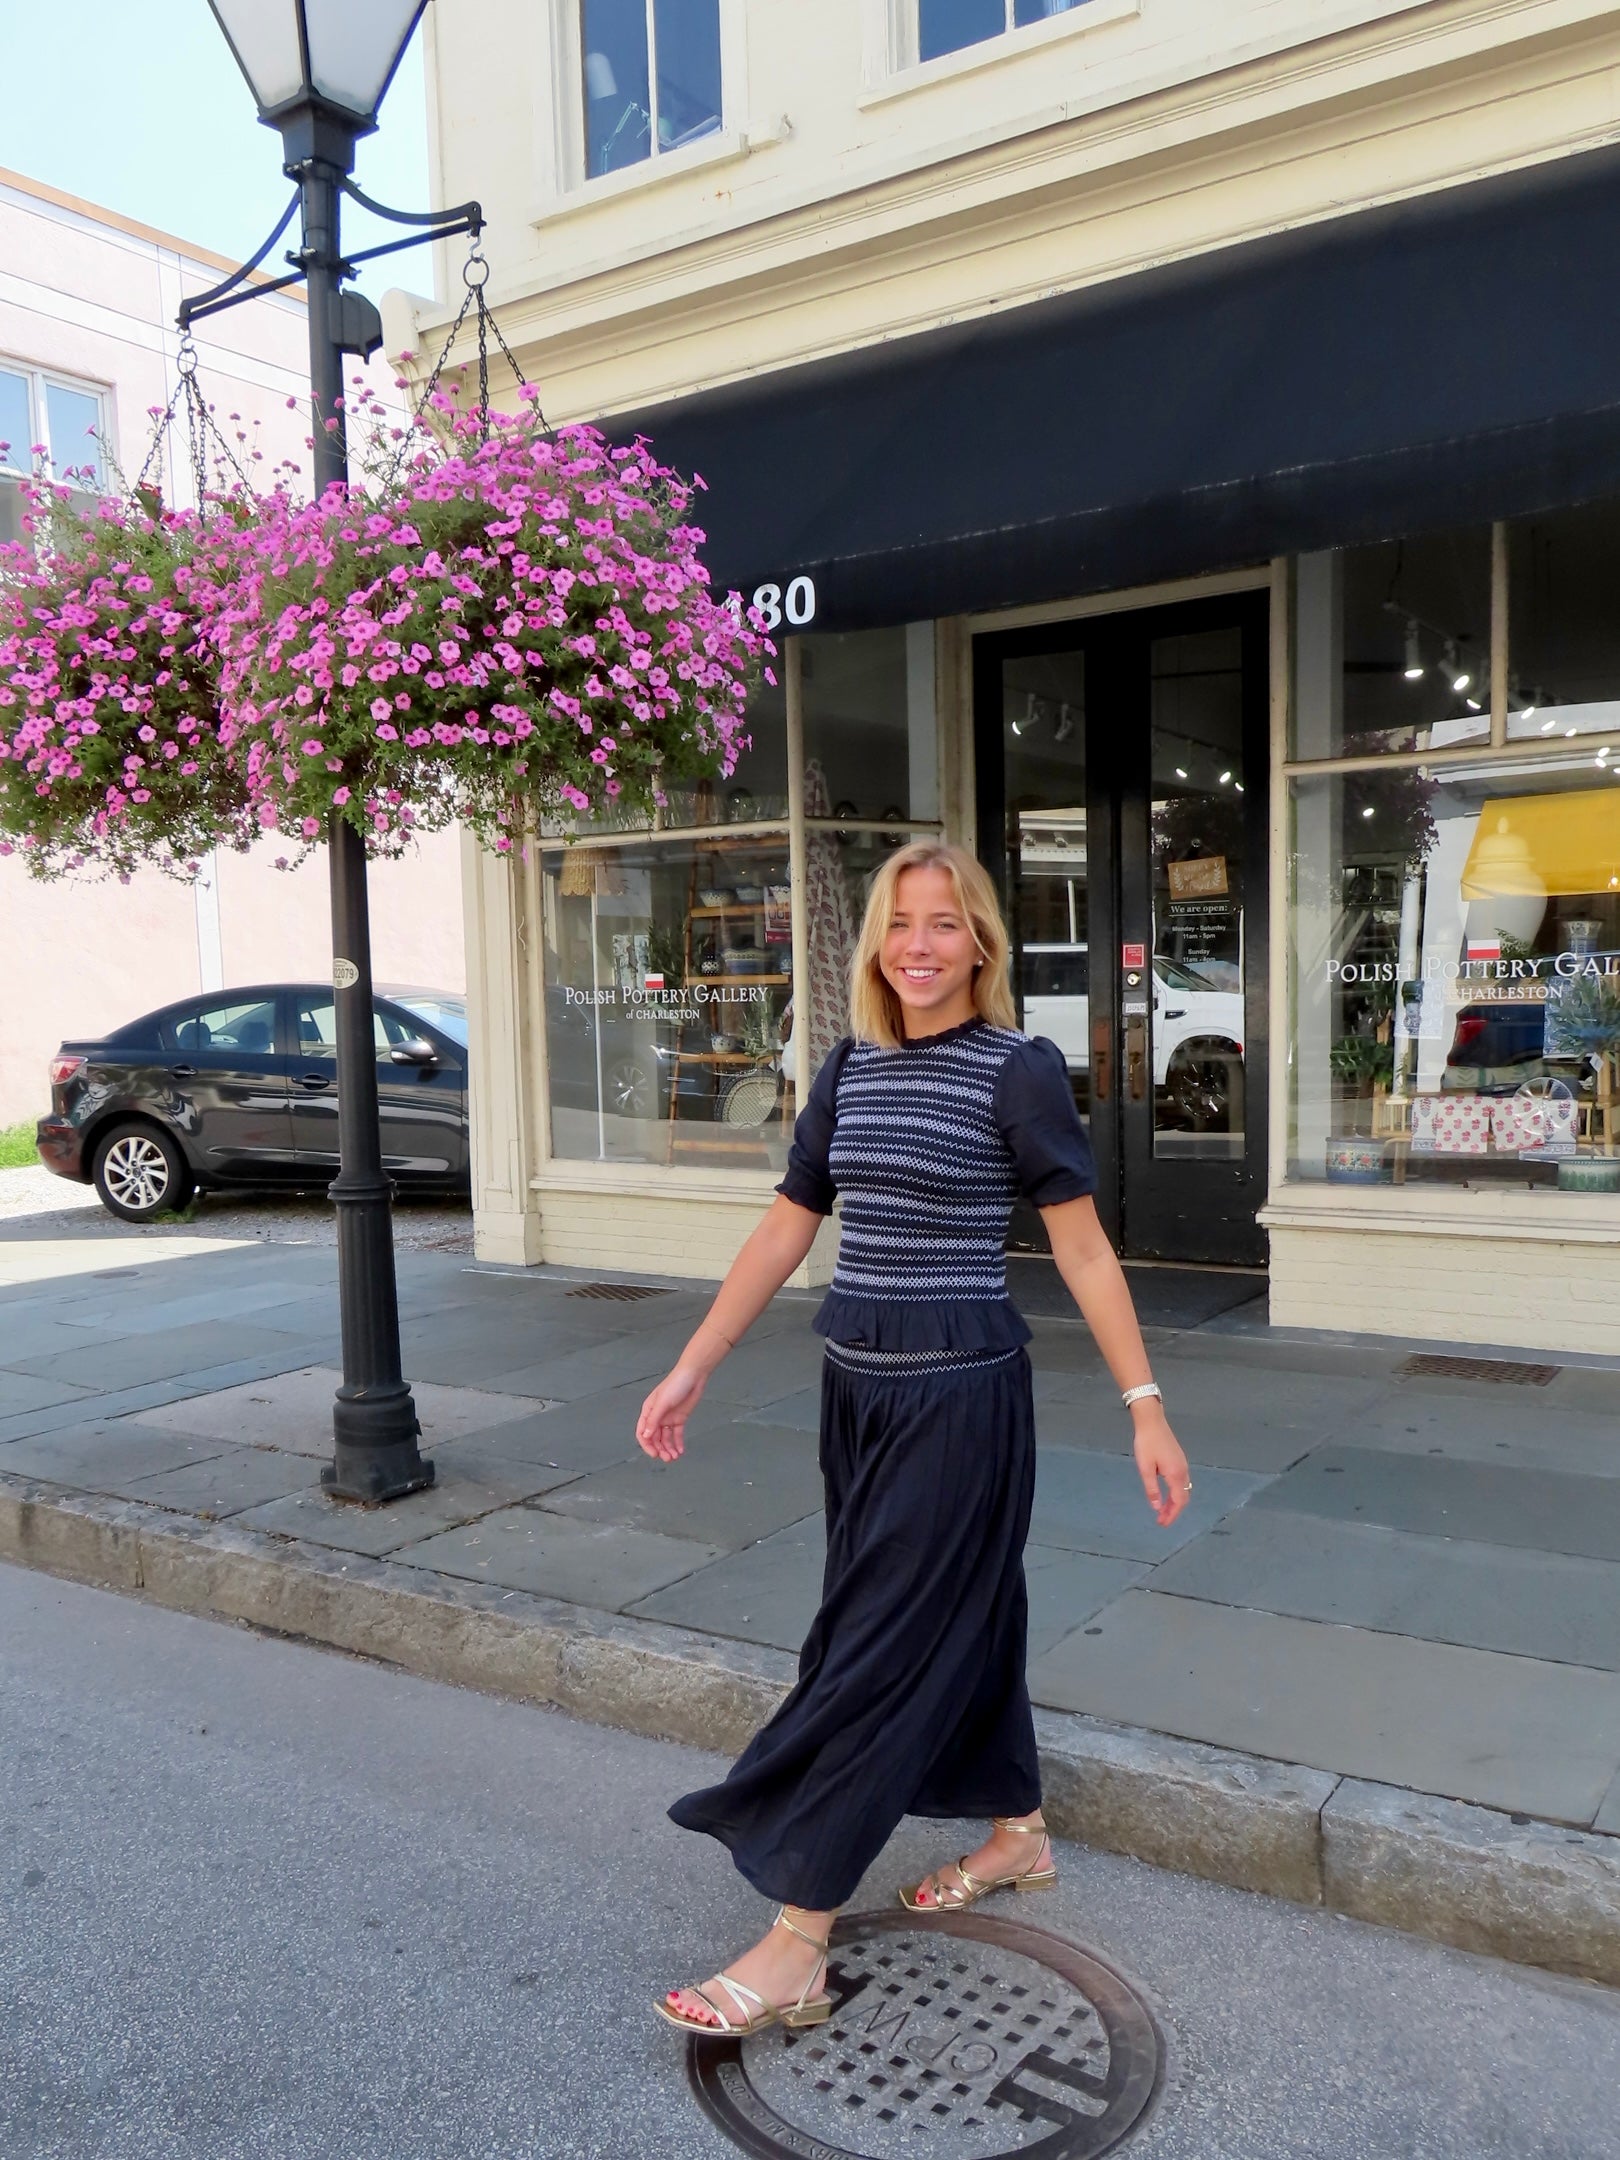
{"x": 240, "y": 1088}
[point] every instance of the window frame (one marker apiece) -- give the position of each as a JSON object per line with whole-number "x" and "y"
{"x": 39, "y": 381}
{"x": 573, "y": 117}
{"x": 894, "y": 34}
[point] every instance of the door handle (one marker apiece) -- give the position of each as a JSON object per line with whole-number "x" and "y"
{"x": 1102, "y": 1060}
{"x": 183, "y": 1072}
{"x": 314, "y": 1082}
{"x": 1136, "y": 1057}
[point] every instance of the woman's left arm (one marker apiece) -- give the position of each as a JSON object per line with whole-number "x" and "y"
{"x": 1095, "y": 1280}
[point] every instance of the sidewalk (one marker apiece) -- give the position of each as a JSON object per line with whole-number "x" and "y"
{"x": 1389, "y": 1584}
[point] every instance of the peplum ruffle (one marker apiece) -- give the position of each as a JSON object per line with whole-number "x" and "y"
{"x": 926, "y": 1324}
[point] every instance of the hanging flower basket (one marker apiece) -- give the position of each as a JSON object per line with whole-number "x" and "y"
{"x": 520, "y": 627}
{"x": 110, "y": 750}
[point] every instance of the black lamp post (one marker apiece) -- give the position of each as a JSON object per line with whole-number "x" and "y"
{"x": 318, "y": 70}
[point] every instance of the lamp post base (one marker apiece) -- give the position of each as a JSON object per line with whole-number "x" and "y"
{"x": 375, "y": 1457}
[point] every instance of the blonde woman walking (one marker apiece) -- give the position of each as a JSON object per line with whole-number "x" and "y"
{"x": 929, "y": 1119}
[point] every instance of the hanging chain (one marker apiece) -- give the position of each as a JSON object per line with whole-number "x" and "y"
{"x": 474, "y": 276}
{"x": 202, "y": 434}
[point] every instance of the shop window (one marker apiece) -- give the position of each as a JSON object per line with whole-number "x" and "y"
{"x": 1563, "y": 636}
{"x": 868, "y": 722}
{"x": 1455, "y": 946}
{"x": 947, "y": 26}
{"x": 669, "y": 1000}
{"x": 651, "y": 78}
{"x": 1393, "y": 646}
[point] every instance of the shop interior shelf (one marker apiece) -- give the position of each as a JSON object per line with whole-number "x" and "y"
{"x": 695, "y": 980}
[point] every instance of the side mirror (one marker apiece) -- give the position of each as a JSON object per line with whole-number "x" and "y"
{"x": 416, "y": 1051}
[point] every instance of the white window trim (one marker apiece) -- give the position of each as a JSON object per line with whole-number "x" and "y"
{"x": 566, "y": 184}
{"x": 40, "y": 379}
{"x": 889, "y": 45}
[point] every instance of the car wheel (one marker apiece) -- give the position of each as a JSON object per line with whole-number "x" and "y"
{"x": 627, "y": 1088}
{"x": 139, "y": 1173}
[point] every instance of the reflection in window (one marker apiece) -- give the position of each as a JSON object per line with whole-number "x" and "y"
{"x": 73, "y": 420}
{"x": 1457, "y": 975}
{"x": 945, "y": 26}
{"x": 16, "y": 426}
{"x": 669, "y": 1000}
{"x": 1563, "y": 656}
{"x": 1393, "y": 646}
{"x": 651, "y": 77}
{"x": 868, "y": 720}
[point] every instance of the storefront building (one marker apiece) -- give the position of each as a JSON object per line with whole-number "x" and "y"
{"x": 1181, "y": 459}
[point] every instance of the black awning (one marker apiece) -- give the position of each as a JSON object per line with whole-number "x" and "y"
{"x": 1450, "y": 359}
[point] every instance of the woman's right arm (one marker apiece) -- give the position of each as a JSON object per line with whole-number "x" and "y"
{"x": 776, "y": 1248}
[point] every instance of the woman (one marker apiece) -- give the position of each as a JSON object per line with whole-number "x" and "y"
{"x": 929, "y": 1119}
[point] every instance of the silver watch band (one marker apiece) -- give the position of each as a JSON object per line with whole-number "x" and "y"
{"x": 1138, "y": 1394}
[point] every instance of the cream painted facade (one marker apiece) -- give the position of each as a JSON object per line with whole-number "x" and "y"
{"x": 851, "y": 198}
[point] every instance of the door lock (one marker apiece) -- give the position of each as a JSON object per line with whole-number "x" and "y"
{"x": 1136, "y": 1055}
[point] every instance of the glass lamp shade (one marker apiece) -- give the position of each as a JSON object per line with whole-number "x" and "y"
{"x": 337, "y": 53}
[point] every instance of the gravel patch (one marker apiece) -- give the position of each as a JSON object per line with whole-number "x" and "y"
{"x": 34, "y": 1202}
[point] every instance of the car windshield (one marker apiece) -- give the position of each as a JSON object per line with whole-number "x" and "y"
{"x": 447, "y": 1014}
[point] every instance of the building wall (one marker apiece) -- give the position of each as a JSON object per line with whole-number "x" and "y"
{"x": 91, "y": 295}
{"x": 839, "y": 207}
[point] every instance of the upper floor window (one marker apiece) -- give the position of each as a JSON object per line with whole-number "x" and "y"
{"x": 945, "y": 26}
{"x": 63, "y": 419}
{"x": 651, "y": 77}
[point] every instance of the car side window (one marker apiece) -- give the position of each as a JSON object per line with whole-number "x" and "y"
{"x": 248, "y": 1025}
{"x": 317, "y": 1029}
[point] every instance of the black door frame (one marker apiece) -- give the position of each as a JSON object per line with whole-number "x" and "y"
{"x": 1224, "y": 1198}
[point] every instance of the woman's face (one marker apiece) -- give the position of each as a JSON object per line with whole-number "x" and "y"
{"x": 929, "y": 953}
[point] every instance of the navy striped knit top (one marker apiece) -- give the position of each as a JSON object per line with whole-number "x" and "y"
{"x": 928, "y": 1146}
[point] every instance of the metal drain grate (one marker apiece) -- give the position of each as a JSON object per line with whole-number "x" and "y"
{"x": 1425, "y": 1367}
{"x": 620, "y": 1293}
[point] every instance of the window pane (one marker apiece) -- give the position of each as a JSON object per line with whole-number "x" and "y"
{"x": 856, "y": 725}
{"x": 74, "y": 419}
{"x": 1393, "y": 646}
{"x": 1033, "y": 11}
{"x": 1456, "y": 956}
{"x": 947, "y": 25}
{"x": 16, "y": 429}
{"x": 1199, "y": 861}
{"x": 618, "y": 122}
{"x": 669, "y": 981}
{"x": 1043, "y": 700}
{"x": 317, "y": 1029}
{"x": 1563, "y": 637}
{"x": 686, "y": 36}
{"x": 250, "y": 1027}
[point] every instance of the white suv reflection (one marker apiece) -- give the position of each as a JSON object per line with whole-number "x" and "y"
{"x": 1197, "y": 1027}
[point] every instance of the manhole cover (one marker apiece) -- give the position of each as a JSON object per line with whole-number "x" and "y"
{"x": 954, "y": 2042}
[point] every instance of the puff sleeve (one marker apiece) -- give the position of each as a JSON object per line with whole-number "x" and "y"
{"x": 808, "y": 1183}
{"x": 1034, "y": 1106}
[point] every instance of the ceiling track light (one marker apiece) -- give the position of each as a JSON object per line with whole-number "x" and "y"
{"x": 1415, "y": 669}
{"x": 1456, "y": 674}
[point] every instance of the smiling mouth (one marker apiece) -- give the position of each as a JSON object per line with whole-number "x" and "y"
{"x": 920, "y": 975}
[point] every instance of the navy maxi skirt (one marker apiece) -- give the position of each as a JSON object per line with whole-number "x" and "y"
{"x": 911, "y": 1697}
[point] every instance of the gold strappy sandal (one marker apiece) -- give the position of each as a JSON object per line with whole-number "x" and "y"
{"x": 958, "y": 1896}
{"x": 807, "y": 2010}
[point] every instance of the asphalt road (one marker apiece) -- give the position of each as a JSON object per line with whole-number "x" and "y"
{"x": 259, "y": 1900}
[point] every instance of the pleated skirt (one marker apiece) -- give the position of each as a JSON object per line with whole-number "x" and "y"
{"x": 911, "y": 1697}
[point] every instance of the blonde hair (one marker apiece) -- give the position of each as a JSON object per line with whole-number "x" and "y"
{"x": 874, "y": 1010}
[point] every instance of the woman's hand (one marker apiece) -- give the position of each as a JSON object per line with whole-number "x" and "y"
{"x": 661, "y": 1427}
{"x": 1161, "y": 1464}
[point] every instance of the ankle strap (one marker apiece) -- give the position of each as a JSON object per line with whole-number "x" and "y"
{"x": 782, "y": 1920}
{"x": 1027, "y": 1829}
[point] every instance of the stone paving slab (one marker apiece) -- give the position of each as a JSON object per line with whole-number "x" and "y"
{"x": 157, "y": 1308}
{"x": 293, "y": 1411}
{"x": 767, "y": 1593}
{"x": 468, "y": 1484}
{"x": 646, "y": 1354}
{"x": 132, "y": 1359}
{"x": 41, "y": 1327}
{"x": 603, "y": 1565}
{"x": 22, "y": 1391}
{"x": 99, "y": 1455}
{"x": 1486, "y": 1597}
{"x": 219, "y": 1485}
{"x": 733, "y": 1486}
{"x": 591, "y": 1434}
{"x": 1484, "y": 1502}
{"x": 1505, "y": 1732}
{"x": 1088, "y": 1502}
{"x": 1531, "y": 1430}
{"x": 1068, "y": 1588}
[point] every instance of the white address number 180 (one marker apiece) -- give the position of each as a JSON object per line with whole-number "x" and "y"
{"x": 796, "y": 606}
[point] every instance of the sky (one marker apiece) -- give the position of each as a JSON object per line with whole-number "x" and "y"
{"x": 137, "y": 106}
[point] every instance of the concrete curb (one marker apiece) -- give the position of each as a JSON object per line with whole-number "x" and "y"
{"x": 1536, "y": 1892}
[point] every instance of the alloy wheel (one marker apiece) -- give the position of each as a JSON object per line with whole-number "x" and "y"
{"x": 136, "y": 1171}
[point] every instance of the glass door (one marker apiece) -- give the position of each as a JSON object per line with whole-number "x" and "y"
{"x": 1122, "y": 769}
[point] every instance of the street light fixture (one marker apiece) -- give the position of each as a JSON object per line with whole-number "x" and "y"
{"x": 318, "y": 70}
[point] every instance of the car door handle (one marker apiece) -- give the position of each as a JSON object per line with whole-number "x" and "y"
{"x": 314, "y": 1082}
{"x": 183, "y": 1072}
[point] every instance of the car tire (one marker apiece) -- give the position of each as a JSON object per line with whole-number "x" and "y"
{"x": 1199, "y": 1085}
{"x": 629, "y": 1090}
{"x": 140, "y": 1173}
